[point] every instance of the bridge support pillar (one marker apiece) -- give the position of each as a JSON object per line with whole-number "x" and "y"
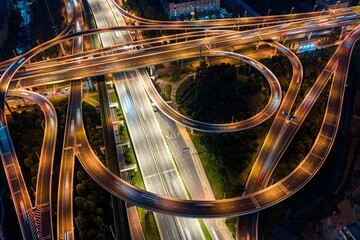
{"x": 8, "y": 106}
{"x": 342, "y": 32}
{"x": 275, "y": 51}
{"x": 309, "y": 35}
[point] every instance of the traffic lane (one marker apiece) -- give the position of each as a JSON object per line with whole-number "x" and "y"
{"x": 311, "y": 163}
{"x": 321, "y": 146}
{"x": 268, "y": 197}
{"x": 294, "y": 180}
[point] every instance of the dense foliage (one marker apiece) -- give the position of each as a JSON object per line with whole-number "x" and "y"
{"x": 219, "y": 94}
{"x": 93, "y": 212}
{"x": 26, "y": 128}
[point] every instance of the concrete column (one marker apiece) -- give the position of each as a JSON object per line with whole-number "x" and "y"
{"x": 309, "y": 36}
{"x": 342, "y": 32}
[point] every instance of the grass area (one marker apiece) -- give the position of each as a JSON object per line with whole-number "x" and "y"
{"x": 231, "y": 224}
{"x": 56, "y": 85}
{"x": 124, "y": 135}
{"x": 95, "y": 97}
{"x": 164, "y": 75}
{"x": 159, "y": 66}
{"x": 113, "y": 97}
{"x": 136, "y": 179}
{"x": 205, "y": 230}
{"x": 211, "y": 167}
{"x": 148, "y": 224}
{"x": 129, "y": 155}
{"x": 183, "y": 87}
{"x": 167, "y": 92}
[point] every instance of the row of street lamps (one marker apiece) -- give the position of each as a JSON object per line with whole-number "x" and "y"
{"x": 292, "y": 9}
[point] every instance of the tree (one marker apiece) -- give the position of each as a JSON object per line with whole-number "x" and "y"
{"x": 81, "y": 189}
{"x": 81, "y": 223}
{"x": 189, "y": 16}
{"x": 28, "y": 162}
{"x": 182, "y": 17}
{"x": 100, "y": 236}
{"x": 79, "y": 202}
{"x": 81, "y": 176}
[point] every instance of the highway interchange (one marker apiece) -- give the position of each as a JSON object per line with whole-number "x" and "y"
{"x": 133, "y": 56}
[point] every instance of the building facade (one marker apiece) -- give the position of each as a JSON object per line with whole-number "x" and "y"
{"x": 175, "y": 8}
{"x": 332, "y": 4}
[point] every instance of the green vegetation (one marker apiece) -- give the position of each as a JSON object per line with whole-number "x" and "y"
{"x": 211, "y": 97}
{"x": 113, "y": 97}
{"x": 167, "y": 92}
{"x": 205, "y": 230}
{"x": 176, "y": 75}
{"x": 93, "y": 215}
{"x": 26, "y": 129}
{"x": 319, "y": 198}
{"x": 27, "y": 135}
{"x": 129, "y": 155}
{"x": 220, "y": 94}
{"x": 313, "y": 63}
{"x": 95, "y": 97}
{"x": 148, "y": 224}
{"x": 56, "y": 85}
{"x": 210, "y": 165}
{"x": 150, "y": 9}
{"x": 231, "y": 224}
{"x": 137, "y": 180}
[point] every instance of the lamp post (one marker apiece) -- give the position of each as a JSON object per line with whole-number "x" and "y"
{"x": 322, "y": 10}
{"x": 292, "y": 9}
{"x": 314, "y": 8}
{"x": 245, "y": 14}
{"x": 269, "y": 12}
{"x": 337, "y": 4}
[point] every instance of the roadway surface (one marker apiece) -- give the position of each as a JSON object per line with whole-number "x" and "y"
{"x": 44, "y": 176}
{"x": 336, "y": 69}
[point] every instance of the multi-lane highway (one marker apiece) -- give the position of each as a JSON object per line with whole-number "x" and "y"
{"x": 283, "y": 130}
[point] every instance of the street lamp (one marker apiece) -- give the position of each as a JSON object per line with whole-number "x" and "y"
{"x": 337, "y": 4}
{"x": 292, "y": 9}
{"x": 246, "y": 12}
{"x": 269, "y": 12}
{"x": 322, "y": 10}
{"x": 314, "y": 8}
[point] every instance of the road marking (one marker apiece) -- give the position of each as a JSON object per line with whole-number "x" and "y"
{"x": 322, "y": 135}
{"x": 167, "y": 171}
{"x": 153, "y": 175}
{"x": 315, "y": 155}
{"x": 330, "y": 123}
{"x": 255, "y": 202}
{"x": 305, "y": 170}
{"x": 284, "y": 189}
